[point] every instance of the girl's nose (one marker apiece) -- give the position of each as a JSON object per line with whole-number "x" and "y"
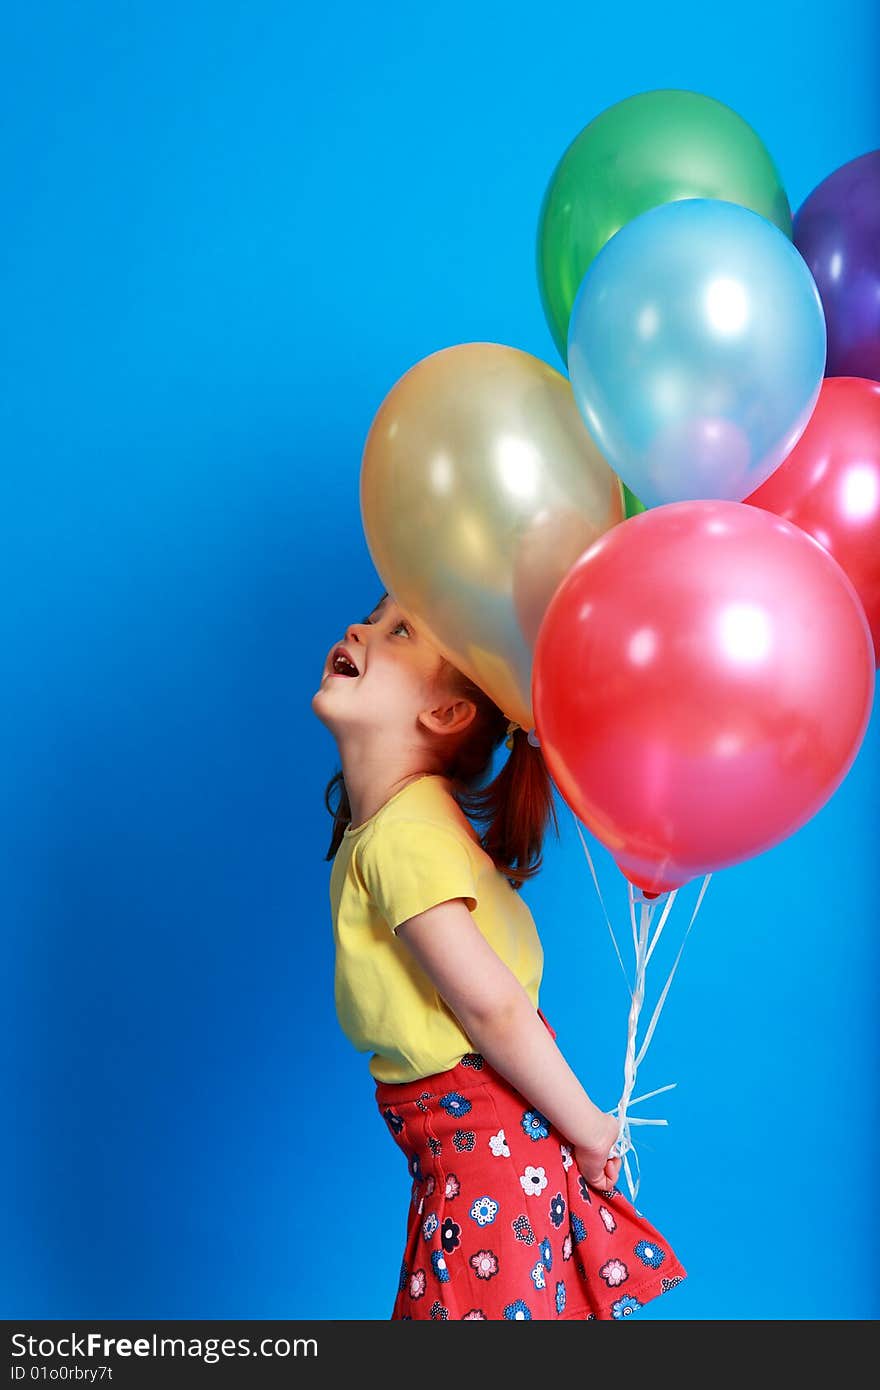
{"x": 354, "y": 631}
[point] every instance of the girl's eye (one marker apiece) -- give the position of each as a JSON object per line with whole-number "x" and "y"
{"x": 368, "y": 621}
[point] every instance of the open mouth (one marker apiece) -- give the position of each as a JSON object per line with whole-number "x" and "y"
{"x": 342, "y": 665}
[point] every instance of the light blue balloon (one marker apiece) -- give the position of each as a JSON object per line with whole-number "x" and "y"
{"x": 696, "y": 350}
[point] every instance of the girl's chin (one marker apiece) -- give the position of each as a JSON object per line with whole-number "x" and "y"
{"x": 319, "y": 700}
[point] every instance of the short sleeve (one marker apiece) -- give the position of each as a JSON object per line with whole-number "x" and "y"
{"x": 409, "y": 866}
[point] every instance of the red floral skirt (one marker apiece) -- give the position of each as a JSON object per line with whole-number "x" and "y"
{"x": 501, "y": 1224}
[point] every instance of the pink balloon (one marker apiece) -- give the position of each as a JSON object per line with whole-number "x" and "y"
{"x": 702, "y": 680}
{"x": 829, "y": 485}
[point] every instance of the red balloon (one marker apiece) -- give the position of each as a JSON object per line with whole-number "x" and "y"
{"x": 829, "y": 485}
{"x": 701, "y": 682}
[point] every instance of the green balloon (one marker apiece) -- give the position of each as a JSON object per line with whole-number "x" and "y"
{"x": 649, "y": 149}
{"x": 631, "y": 504}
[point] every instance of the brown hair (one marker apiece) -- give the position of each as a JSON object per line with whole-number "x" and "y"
{"x": 515, "y": 806}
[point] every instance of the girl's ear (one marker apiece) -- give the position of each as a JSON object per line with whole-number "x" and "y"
{"x": 451, "y": 717}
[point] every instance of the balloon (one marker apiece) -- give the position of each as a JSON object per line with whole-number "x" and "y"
{"x": 702, "y": 681}
{"x": 649, "y": 149}
{"x": 479, "y": 488}
{"x": 632, "y": 504}
{"x": 696, "y": 351}
{"x": 837, "y": 231}
{"x": 830, "y": 485}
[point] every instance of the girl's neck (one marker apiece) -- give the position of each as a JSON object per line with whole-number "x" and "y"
{"x": 369, "y": 788}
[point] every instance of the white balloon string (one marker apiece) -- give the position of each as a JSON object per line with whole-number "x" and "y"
{"x": 634, "y": 1058}
{"x": 624, "y": 1137}
{"x": 649, "y": 1095}
{"x": 602, "y": 902}
{"x": 624, "y": 1143}
{"x": 632, "y": 1183}
{"x": 662, "y": 1000}
{"x": 661, "y": 924}
{"x": 632, "y": 917}
{"x": 644, "y": 945}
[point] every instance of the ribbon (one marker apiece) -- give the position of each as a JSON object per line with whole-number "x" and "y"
{"x": 644, "y": 944}
{"x": 602, "y": 903}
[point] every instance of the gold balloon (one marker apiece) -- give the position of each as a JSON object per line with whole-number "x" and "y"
{"x": 480, "y": 487}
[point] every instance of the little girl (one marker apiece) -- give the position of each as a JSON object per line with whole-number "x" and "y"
{"x": 514, "y": 1210}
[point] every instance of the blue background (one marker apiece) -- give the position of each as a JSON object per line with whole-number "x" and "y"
{"x": 227, "y": 231}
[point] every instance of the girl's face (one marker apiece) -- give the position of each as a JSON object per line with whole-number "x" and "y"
{"x": 394, "y": 685}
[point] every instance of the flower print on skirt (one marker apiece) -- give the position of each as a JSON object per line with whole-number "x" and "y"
{"x": 501, "y": 1224}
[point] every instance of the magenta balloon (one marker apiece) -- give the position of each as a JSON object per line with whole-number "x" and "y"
{"x": 702, "y": 681}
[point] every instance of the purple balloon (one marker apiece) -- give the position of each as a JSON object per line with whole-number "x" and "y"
{"x": 837, "y": 231}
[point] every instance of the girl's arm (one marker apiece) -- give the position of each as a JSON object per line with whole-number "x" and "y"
{"x": 500, "y": 1020}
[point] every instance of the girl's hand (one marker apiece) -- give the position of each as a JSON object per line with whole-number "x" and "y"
{"x": 593, "y": 1159}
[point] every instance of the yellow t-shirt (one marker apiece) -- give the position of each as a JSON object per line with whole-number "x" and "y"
{"x": 417, "y": 850}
